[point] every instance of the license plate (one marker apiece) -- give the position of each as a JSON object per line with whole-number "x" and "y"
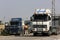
{"x": 39, "y": 29}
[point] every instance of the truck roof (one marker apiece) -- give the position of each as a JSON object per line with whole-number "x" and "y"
{"x": 41, "y": 11}
{"x": 16, "y": 19}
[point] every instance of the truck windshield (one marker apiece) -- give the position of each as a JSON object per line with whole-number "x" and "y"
{"x": 15, "y": 23}
{"x": 40, "y": 17}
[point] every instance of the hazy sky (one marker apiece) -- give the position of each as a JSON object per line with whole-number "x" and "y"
{"x": 23, "y": 8}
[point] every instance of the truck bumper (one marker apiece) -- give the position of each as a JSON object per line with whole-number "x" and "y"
{"x": 40, "y": 32}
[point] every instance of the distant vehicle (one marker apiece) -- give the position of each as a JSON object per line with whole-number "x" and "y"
{"x": 42, "y": 23}
{"x": 2, "y": 27}
{"x": 6, "y": 23}
{"x": 15, "y": 26}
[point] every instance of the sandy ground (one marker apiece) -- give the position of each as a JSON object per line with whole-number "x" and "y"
{"x": 30, "y": 37}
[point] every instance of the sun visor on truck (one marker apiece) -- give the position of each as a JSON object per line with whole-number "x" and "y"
{"x": 16, "y": 19}
{"x": 43, "y": 11}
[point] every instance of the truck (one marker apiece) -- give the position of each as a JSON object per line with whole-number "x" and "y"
{"x": 42, "y": 22}
{"x": 15, "y": 27}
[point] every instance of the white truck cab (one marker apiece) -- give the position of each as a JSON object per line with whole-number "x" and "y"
{"x": 41, "y": 21}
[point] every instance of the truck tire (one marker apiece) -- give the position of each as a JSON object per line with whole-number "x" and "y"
{"x": 56, "y": 33}
{"x": 17, "y": 34}
{"x": 49, "y": 33}
{"x": 34, "y": 34}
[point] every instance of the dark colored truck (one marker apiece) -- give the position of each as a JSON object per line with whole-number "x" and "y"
{"x": 15, "y": 27}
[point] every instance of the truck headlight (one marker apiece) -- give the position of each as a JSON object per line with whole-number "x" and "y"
{"x": 44, "y": 29}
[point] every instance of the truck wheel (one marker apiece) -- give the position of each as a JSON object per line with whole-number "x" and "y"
{"x": 34, "y": 34}
{"x": 17, "y": 34}
{"x": 49, "y": 33}
{"x": 56, "y": 33}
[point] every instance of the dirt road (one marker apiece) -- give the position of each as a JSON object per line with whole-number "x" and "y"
{"x": 30, "y": 37}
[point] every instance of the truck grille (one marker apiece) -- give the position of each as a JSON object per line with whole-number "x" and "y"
{"x": 40, "y": 29}
{"x": 39, "y": 26}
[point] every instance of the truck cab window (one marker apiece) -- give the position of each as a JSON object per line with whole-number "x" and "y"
{"x": 49, "y": 18}
{"x": 40, "y": 17}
